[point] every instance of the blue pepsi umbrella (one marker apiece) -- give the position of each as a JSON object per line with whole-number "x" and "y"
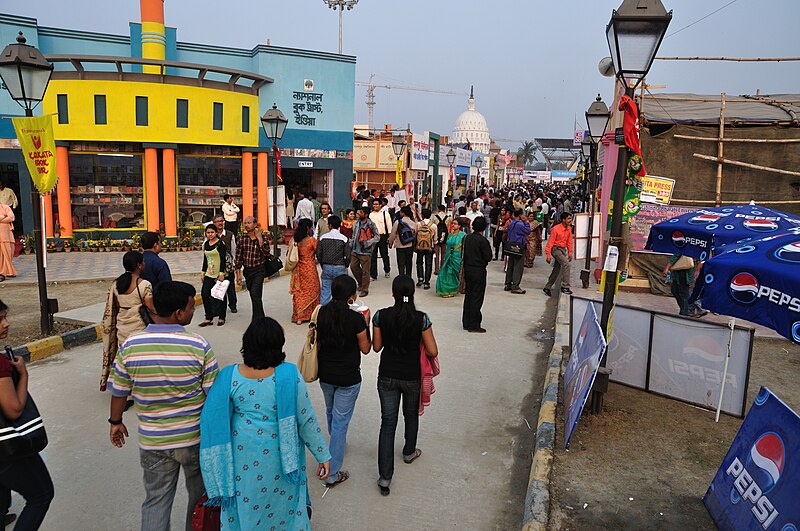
{"x": 700, "y": 234}
{"x": 758, "y": 280}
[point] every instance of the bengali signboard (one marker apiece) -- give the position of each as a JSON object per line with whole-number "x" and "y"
{"x": 756, "y": 486}
{"x": 386, "y": 159}
{"x": 365, "y": 154}
{"x": 657, "y": 190}
{"x": 649, "y": 215}
{"x": 420, "y": 147}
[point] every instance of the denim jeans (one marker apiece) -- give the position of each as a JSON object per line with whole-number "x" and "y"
{"x": 329, "y": 272}
{"x": 390, "y": 391}
{"x": 381, "y": 247}
{"x": 339, "y": 405}
{"x": 30, "y": 478}
{"x": 161, "y": 468}
{"x": 424, "y": 265}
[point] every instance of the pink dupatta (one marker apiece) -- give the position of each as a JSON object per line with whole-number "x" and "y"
{"x": 430, "y": 368}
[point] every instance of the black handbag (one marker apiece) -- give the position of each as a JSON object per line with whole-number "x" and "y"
{"x": 24, "y": 436}
{"x": 272, "y": 266}
{"x": 144, "y": 313}
{"x": 513, "y": 249}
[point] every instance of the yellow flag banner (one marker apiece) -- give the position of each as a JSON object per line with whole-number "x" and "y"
{"x": 36, "y": 139}
{"x": 399, "y": 173}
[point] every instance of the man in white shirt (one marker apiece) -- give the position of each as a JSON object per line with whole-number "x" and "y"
{"x": 230, "y": 213}
{"x": 322, "y": 224}
{"x": 416, "y": 210}
{"x": 333, "y": 253}
{"x": 383, "y": 220}
{"x": 473, "y": 212}
{"x": 7, "y": 196}
{"x": 305, "y": 209}
{"x": 546, "y": 217}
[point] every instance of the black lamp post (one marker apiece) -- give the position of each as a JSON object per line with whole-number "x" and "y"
{"x": 451, "y": 159}
{"x": 479, "y": 165}
{"x": 634, "y": 34}
{"x": 274, "y": 124}
{"x": 587, "y": 151}
{"x": 398, "y": 146}
{"x": 26, "y": 74}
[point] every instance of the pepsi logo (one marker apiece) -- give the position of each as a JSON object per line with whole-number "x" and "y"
{"x": 703, "y": 219}
{"x": 796, "y": 332}
{"x": 760, "y": 225}
{"x": 789, "y": 252}
{"x": 766, "y": 460}
{"x": 744, "y": 288}
{"x": 705, "y": 348}
{"x": 678, "y": 239}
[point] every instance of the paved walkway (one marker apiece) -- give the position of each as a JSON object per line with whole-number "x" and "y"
{"x": 475, "y": 436}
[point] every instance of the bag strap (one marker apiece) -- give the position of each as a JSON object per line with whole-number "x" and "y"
{"x": 139, "y": 292}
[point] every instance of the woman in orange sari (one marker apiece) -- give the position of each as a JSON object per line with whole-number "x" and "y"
{"x": 305, "y": 279}
{"x": 6, "y": 242}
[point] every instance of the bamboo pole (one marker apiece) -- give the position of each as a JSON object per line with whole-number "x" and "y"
{"x": 735, "y": 59}
{"x": 720, "y": 147}
{"x": 747, "y": 140}
{"x": 747, "y": 165}
{"x": 667, "y": 97}
{"x": 701, "y": 202}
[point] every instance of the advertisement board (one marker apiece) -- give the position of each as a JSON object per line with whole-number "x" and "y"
{"x": 587, "y": 350}
{"x": 420, "y": 147}
{"x": 386, "y": 158}
{"x": 365, "y": 154}
{"x": 649, "y": 215}
{"x": 687, "y": 362}
{"x": 656, "y": 190}
{"x": 756, "y": 486}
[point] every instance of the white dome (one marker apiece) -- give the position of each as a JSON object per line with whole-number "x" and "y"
{"x": 471, "y": 127}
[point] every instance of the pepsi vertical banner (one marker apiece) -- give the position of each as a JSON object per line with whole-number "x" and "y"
{"x": 587, "y": 351}
{"x": 699, "y": 234}
{"x": 759, "y": 281}
{"x": 757, "y": 486}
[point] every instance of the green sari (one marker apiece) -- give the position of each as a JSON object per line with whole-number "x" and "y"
{"x": 449, "y": 274}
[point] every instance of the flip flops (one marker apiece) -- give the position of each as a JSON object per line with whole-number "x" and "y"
{"x": 344, "y": 475}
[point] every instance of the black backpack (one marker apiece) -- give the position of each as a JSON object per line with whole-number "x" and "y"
{"x": 441, "y": 230}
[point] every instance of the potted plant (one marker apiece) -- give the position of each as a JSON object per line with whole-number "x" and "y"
{"x": 67, "y": 244}
{"x": 136, "y": 241}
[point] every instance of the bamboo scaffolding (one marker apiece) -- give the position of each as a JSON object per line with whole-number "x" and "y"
{"x": 747, "y": 140}
{"x": 746, "y": 165}
{"x": 702, "y": 202}
{"x": 720, "y": 147}
{"x": 736, "y": 99}
{"x": 734, "y": 59}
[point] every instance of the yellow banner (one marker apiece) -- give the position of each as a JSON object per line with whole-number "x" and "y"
{"x": 399, "y": 174}
{"x": 35, "y": 135}
{"x": 657, "y": 190}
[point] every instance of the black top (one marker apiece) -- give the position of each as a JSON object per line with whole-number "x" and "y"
{"x": 476, "y": 251}
{"x": 342, "y": 366}
{"x": 400, "y": 358}
{"x": 494, "y": 214}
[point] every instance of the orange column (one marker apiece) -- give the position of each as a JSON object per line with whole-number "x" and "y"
{"x": 151, "y": 188}
{"x": 170, "y": 194}
{"x": 263, "y": 201}
{"x": 48, "y": 214}
{"x": 247, "y": 184}
{"x": 64, "y": 197}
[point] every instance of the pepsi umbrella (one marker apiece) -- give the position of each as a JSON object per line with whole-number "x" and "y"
{"x": 700, "y": 234}
{"x": 758, "y": 280}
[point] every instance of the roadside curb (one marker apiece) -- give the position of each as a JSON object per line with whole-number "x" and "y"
{"x": 50, "y": 346}
{"x": 537, "y": 499}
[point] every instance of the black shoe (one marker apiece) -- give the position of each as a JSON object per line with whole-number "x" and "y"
{"x": 427, "y": 285}
{"x": 477, "y": 330}
{"x": 384, "y": 490}
{"x": 547, "y": 292}
{"x": 374, "y": 278}
{"x": 419, "y": 283}
{"x": 234, "y": 310}
{"x": 9, "y": 519}
{"x": 507, "y": 288}
{"x": 566, "y": 291}
{"x": 495, "y": 258}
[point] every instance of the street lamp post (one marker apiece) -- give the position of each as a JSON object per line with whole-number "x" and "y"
{"x": 26, "y": 74}
{"x": 597, "y": 117}
{"x": 341, "y": 5}
{"x": 634, "y": 34}
{"x": 451, "y": 159}
{"x": 479, "y": 165}
{"x": 398, "y": 146}
{"x": 274, "y": 124}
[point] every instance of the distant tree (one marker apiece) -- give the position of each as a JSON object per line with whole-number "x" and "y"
{"x": 526, "y": 154}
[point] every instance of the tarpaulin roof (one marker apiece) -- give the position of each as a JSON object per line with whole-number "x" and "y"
{"x": 705, "y": 108}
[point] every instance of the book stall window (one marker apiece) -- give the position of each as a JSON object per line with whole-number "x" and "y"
{"x": 107, "y": 190}
{"x": 205, "y": 175}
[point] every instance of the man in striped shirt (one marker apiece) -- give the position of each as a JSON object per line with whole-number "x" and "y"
{"x": 168, "y": 372}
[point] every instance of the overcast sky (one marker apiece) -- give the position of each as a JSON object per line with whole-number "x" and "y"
{"x": 533, "y": 62}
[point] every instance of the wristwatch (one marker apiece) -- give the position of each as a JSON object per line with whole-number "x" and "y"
{"x": 114, "y": 422}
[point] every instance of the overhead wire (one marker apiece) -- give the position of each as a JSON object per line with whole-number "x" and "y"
{"x": 701, "y": 19}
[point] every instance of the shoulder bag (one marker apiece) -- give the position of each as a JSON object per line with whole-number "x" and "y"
{"x": 206, "y": 517}
{"x": 307, "y": 363}
{"x": 144, "y": 313}
{"x": 272, "y": 266}
{"x": 25, "y": 435}
{"x": 683, "y": 263}
{"x": 513, "y": 248}
{"x": 292, "y": 257}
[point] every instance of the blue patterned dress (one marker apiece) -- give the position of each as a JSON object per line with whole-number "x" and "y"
{"x": 264, "y": 498}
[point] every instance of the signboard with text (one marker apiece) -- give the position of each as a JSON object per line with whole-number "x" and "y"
{"x": 649, "y": 215}
{"x": 420, "y": 147}
{"x": 365, "y": 154}
{"x": 657, "y": 190}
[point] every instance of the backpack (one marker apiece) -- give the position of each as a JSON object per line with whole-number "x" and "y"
{"x": 424, "y": 237}
{"x": 441, "y": 230}
{"x": 405, "y": 233}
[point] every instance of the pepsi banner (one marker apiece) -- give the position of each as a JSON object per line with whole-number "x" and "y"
{"x": 757, "y": 486}
{"x": 759, "y": 281}
{"x": 699, "y": 234}
{"x": 587, "y": 351}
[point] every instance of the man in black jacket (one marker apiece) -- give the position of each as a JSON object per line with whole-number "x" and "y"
{"x": 476, "y": 255}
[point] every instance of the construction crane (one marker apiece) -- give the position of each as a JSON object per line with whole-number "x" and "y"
{"x": 371, "y": 94}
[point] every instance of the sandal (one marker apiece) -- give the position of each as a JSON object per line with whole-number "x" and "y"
{"x": 408, "y": 459}
{"x": 344, "y": 475}
{"x": 205, "y": 323}
{"x": 221, "y": 322}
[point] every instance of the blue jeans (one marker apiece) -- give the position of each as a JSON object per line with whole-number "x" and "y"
{"x": 339, "y": 405}
{"x": 390, "y": 390}
{"x": 329, "y": 272}
{"x": 161, "y": 468}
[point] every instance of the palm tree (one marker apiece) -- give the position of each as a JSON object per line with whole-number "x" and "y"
{"x": 527, "y": 153}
